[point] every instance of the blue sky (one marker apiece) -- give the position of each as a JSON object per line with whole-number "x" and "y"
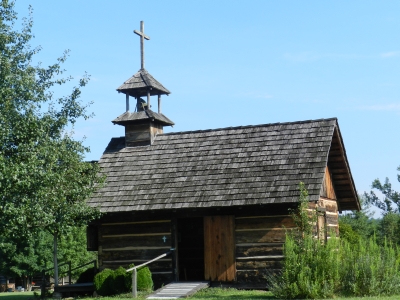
{"x": 232, "y": 63}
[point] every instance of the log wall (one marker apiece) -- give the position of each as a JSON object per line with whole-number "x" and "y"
{"x": 259, "y": 246}
{"x": 122, "y": 244}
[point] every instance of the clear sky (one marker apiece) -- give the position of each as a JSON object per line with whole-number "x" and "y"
{"x": 231, "y": 63}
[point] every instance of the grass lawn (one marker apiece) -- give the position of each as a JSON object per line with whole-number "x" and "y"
{"x": 16, "y": 296}
{"x": 226, "y": 294}
{"x": 206, "y": 294}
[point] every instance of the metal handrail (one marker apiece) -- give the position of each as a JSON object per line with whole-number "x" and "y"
{"x": 134, "y": 273}
{"x": 94, "y": 262}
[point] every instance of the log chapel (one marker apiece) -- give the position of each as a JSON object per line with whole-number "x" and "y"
{"x": 217, "y": 200}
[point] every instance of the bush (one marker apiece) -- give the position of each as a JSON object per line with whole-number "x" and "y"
{"x": 103, "y": 282}
{"x": 109, "y": 282}
{"x": 144, "y": 280}
{"x": 119, "y": 281}
{"x": 351, "y": 266}
{"x": 86, "y": 276}
{"x": 369, "y": 269}
{"x": 310, "y": 270}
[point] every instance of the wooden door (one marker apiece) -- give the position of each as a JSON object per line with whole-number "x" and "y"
{"x": 219, "y": 248}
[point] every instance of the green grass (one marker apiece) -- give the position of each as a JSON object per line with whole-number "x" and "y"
{"x": 206, "y": 294}
{"x": 225, "y": 294}
{"x": 16, "y": 296}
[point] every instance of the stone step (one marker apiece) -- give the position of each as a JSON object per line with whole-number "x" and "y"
{"x": 177, "y": 290}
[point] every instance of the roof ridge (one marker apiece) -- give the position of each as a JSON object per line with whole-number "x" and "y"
{"x": 251, "y": 126}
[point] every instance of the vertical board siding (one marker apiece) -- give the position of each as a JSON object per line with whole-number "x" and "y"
{"x": 259, "y": 246}
{"x": 327, "y": 189}
{"x": 122, "y": 244}
{"x": 219, "y": 245}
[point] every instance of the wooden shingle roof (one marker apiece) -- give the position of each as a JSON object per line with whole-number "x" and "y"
{"x": 135, "y": 117}
{"x": 237, "y": 166}
{"x": 140, "y": 83}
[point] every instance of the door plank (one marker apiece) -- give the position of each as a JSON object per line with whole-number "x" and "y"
{"x": 219, "y": 246}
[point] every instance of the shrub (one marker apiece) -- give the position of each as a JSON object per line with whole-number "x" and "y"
{"x": 103, "y": 282}
{"x": 351, "y": 266}
{"x": 311, "y": 269}
{"x": 369, "y": 269}
{"x": 119, "y": 281}
{"x": 86, "y": 276}
{"x": 144, "y": 280}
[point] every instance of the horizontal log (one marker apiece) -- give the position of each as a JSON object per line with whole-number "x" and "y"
{"x": 265, "y": 257}
{"x": 138, "y": 228}
{"x": 261, "y": 236}
{"x": 263, "y": 229}
{"x": 253, "y": 276}
{"x": 142, "y": 241}
{"x": 256, "y": 217}
{"x": 332, "y": 219}
{"x": 158, "y": 266}
{"x": 167, "y": 234}
{"x": 138, "y": 222}
{"x": 133, "y": 254}
{"x": 259, "y": 251}
{"x": 252, "y": 265}
{"x": 134, "y": 248}
{"x": 259, "y": 244}
{"x": 264, "y": 222}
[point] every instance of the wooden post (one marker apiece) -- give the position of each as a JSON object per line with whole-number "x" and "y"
{"x": 127, "y": 102}
{"x": 69, "y": 272}
{"x": 159, "y": 104}
{"x": 94, "y": 268}
{"x": 174, "y": 246}
{"x": 43, "y": 287}
{"x": 55, "y": 260}
{"x": 148, "y": 99}
{"x": 134, "y": 283}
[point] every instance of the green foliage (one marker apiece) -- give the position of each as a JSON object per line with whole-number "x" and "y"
{"x": 347, "y": 233}
{"x": 103, "y": 282}
{"x": 391, "y": 198}
{"x": 304, "y": 220}
{"x": 389, "y": 228}
{"x": 311, "y": 269}
{"x": 86, "y": 276}
{"x": 109, "y": 282}
{"x": 352, "y": 265}
{"x": 119, "y": 281}
{"x": 144, "y": 279}
{"x": 44, "y": 181}
{"x": 369, "y": 269}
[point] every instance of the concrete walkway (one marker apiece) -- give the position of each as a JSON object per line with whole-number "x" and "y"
{"x": 178, "y": 290}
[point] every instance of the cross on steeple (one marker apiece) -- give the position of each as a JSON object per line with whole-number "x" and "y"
{"x": 142, "y": 38}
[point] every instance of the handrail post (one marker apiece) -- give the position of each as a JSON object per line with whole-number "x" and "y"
{"x": 134, "y": 283}
{"x": 94, "y": 268}
{"x": 43, "y": 287}
{"x": 69, "y": 271}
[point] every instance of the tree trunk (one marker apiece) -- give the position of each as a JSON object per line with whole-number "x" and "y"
{"x": 55, "y": 260}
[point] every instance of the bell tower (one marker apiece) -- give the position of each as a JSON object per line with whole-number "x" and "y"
{"x": 142, "y": 125}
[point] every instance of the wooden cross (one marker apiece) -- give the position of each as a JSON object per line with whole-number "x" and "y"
{"x": 142, "y": 38}
{"x": 164, "y": 238}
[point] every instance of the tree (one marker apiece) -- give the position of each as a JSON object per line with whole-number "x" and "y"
{"x": 391, "y": 198}
{"x": 44, "y": 181}
{"x": 389, "y": 226}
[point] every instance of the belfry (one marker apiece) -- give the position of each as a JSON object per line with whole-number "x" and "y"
{"x": 143, "y": 124}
